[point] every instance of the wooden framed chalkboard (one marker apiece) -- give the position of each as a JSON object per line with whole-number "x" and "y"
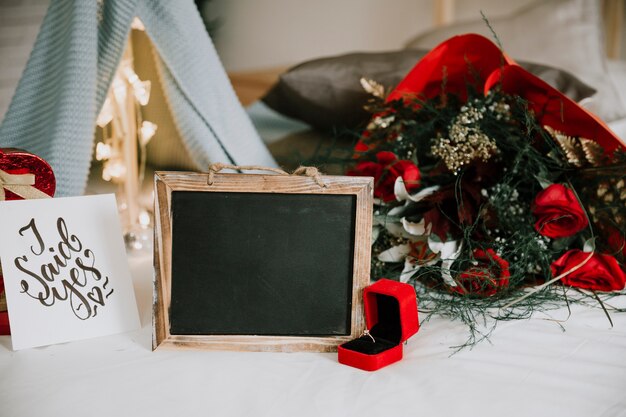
{"x": 260, "y": 262}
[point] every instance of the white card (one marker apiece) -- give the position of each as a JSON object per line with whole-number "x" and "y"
{"x": 65, "y": 270}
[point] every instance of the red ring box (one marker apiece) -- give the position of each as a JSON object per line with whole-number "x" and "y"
{"x": 391, "y": 318}
{"x": 4, "y": 315}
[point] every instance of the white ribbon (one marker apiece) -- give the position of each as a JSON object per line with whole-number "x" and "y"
{"x": 20, "y": 184}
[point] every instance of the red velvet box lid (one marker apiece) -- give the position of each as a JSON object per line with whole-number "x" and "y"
{"x": 407, "y": 303}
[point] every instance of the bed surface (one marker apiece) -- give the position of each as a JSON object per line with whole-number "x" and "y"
{"x": 531, "y": 367}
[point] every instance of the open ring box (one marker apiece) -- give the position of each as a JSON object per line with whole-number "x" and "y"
{"x": 391, "y": 318}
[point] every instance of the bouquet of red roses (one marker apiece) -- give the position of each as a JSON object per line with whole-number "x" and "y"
{"x": 488, "y": 181}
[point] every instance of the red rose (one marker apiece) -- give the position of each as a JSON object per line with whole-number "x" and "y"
{"x": 385, "y": 172}
{"x": 617, "y": 242}
{"x": 360, "y": 147}
{"x": 490, "y": 275}
{"x": 558, "y": 212}
{"x": 600, "y": 273}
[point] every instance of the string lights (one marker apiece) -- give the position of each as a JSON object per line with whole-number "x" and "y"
{"x": 122, "y": 150}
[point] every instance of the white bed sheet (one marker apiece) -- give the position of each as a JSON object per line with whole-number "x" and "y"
{"x": 531, "y": 368}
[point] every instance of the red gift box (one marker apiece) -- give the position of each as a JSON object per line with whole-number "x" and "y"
{"x": 5, "y": 329}
{"x": 22, "y": 176}
{"x": 391, "y": 318}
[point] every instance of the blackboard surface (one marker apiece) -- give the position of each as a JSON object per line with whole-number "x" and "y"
{"x": 261, "y": 263}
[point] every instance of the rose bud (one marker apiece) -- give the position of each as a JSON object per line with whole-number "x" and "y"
{"x": 600, "y": 273}
{"x": 558, "y": 212}
{"x": 490, "y": 275}
{"x": 385, "y": 171}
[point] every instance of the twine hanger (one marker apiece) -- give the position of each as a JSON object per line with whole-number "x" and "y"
{"x": 305, "y": 171}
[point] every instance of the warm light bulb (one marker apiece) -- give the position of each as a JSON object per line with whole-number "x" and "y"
{"x": 142, "y": 91}
{"x": 130, "y": 74}
{"x": 106, "y": 114}
{"x": 144, "y": 218}
{"x": 148, "y": 129}
{"x": 103, "y": 151}
{"x": 119, "y": 89}
{"x": 114, "y": 170}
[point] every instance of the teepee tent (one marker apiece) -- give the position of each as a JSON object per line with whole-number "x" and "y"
{"x": 68, "y": 74}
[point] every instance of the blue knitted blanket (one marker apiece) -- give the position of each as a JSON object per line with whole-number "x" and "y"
{"x": 78, "y": 49}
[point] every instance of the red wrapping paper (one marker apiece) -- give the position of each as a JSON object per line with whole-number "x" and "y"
{"x": 473, "y": 59}
{"x": 461, "y": 60}
{"x": 552, "y": 108}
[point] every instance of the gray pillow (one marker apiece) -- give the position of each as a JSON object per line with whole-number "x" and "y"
{"x": 326, "y": 93}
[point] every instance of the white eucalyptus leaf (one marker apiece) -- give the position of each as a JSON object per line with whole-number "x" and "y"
{"x": 375, "y": 233}
{"x": 395, "y": 253}
{"x": 590, "y": 245}
{"x": 451, "y": 250}
{"x": 424, "y": 193}
{"x": 448, "y": 252}
{"x": 396, "y": 211}
{"x": 402, "y": 194}
{"x": 383, "y": 219}
{"x": 416, "y": 229}
{"x": 410, "y": 266}
{"x": 396, "y": 229}
{"x": 445, "y": 272}
{"x": 399, "y": 189}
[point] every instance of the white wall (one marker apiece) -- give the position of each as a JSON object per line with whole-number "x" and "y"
{"x": 267, "y": 33}
{"x": 470, "y": 9}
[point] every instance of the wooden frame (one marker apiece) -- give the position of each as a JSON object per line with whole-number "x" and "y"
{"x": 166, "y": 182}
